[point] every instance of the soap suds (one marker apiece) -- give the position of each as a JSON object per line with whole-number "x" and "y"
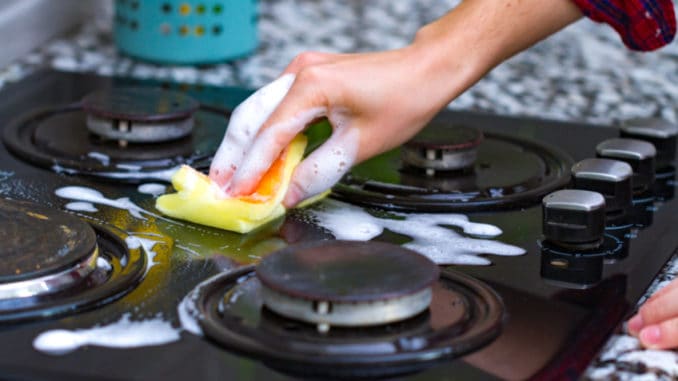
{"x": 100, "y": 157}
{"x": 326, "y": 165}
{"x": 104, "y": 264}
{"x": 153, "y": 189}
{"x": 244, "y": 125}
{"x": 95, "y": 197}
{"x": 124, "y": 333}
{"x": 429, "y": 235}
{"x": 130, "y": 172}
{"x": 188, "y": 311}
{"x": 266, "y": 149}
{"x": 135, "y": 242}
{"x": 80, "y": 206}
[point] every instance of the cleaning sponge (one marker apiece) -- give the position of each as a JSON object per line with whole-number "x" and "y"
{"x": 199, "y": 199}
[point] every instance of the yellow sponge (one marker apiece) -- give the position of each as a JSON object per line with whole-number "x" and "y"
{"x": 199, "y": 199}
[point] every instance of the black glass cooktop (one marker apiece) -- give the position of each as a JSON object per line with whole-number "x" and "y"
{"x": 560, "y": 306}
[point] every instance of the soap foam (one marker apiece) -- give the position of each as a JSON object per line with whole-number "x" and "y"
{"x": 326, "y": 165}
{"x": 100, "y": 157}
{"x": 104, "y": 264}
{"x": 188, "y": 311}
{"x": 153, "y": 189}
{"x": 130, "y": 172}
{"x": 439, "y": 243}
{"x": 96, "y": 197}
{"x": 244, "y": 125}
{"x": 122, "y": 334}
{"x": 80, "y": 206}
{"x": 135, "y": 242}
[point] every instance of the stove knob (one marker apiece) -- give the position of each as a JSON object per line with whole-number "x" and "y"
{"x": 661, "y": 133}
{"x": 637, "y": 153}
{"x": 611, "y": 178}
{"x": 574, "y": 218}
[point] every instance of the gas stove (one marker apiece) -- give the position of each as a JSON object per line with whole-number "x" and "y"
{"x": 539, "y": 236}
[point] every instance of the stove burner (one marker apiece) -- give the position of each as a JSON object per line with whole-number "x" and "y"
{"x": 54, "y": 263}
{"x": 38, "y": 241}
{"x": 139, "y": 115}
{"x": 345, "y": 283}
{"x": 508, "y": 172}
{"x": 449, "y": 149}
{"x": 464, "y": 315}
{"x": 165, "y": 129}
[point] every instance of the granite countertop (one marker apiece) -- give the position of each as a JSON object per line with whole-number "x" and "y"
{"x": 582, "y": 73}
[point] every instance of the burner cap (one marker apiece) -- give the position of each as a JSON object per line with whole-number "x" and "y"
{"x": 37, "y": 241}
{"x": 105, "y": 274}
{"x": 347, "y": 283}
{"x": 58, "y": 138}
{"x": 439, "y": 147}
{"x": 139, "y": 104}
{"x": 139, "y": 115}
{"x": 464, "y": 315}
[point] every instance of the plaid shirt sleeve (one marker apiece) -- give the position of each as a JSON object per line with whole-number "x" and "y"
{"x": 642, "y": 24}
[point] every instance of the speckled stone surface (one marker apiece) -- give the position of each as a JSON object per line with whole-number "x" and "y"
{"x": 582, "y": 73}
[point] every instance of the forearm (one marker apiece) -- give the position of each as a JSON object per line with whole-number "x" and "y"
{"x": 462, "y": 46}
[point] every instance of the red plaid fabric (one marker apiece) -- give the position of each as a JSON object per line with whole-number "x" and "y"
{"x": 642, "y": 24}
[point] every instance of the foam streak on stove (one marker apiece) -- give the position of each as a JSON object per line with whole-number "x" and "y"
{"x": 122, "y": 334}
{"x": 84, "y": 194}
{"x": 130, "y": 172}
{"x": 153, "y": 189}
{"x": 134, "y": 242}
{"x": 429, "y": 236}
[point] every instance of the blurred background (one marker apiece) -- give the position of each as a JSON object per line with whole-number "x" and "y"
{"x": 582, "y": 73}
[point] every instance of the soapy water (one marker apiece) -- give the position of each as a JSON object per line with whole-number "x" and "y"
{"x": 93, "y": 196}
{"x": 124, "y": 333}
{"x": 104, "y": 264}
{"x": 100, "y": 157}
{"x": 428, "y": 232}
{"x": 81, "y": 206}
{"x": 153, "y": 189}
{"x": 85, "y": 198}
{"x": 135, "y": 242}
{"x": 188, "y": 312}
{"x": 128, "y": 172}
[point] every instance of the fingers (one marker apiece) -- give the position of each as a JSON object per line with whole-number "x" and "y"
{"x": 243, "y": 126}
{"x": 325, "y": 166}
{"x": 305, "y": 102}
{"x": 671, "y": 286}
{"x": 656, "y": 323}
{"x": 658, "y": 309}
{"x": 660, "y": 336}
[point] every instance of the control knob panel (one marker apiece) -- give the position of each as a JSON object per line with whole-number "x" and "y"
{"x": 574, "y": 218}
{"x": 611, "y": 178}
{"x": 661, "y": 133}
{"x": 639, "y": 154}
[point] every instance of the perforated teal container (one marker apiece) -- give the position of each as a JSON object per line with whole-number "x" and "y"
{"x": 185, "y": 32}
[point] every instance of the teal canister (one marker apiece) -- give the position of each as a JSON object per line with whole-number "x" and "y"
{"x": 185, "y": 32}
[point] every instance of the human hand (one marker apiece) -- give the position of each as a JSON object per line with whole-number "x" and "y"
{"x": 375, "y": 101}
{"x": 656, "y": 323}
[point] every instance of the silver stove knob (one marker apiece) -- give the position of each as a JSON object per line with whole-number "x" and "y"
{"x": 611, "y": 178}
{"x": 661, "y": 133}
{"x": 574, "y": 218}
{"x": 639, "y": 154}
